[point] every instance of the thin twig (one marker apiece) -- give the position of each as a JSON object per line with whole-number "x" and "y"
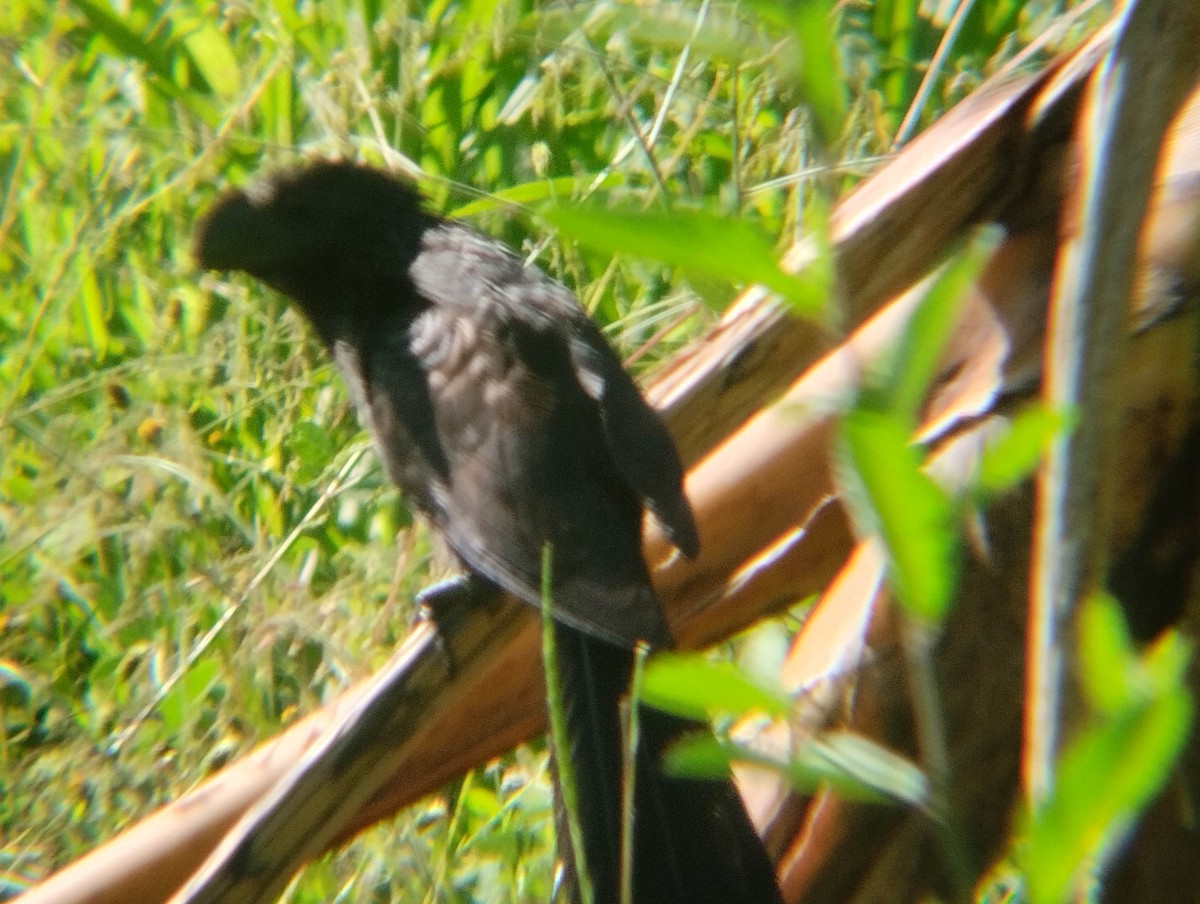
{"x": 913, "y": 116}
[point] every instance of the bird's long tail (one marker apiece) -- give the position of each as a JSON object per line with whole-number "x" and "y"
{"x": 692, "y": 839}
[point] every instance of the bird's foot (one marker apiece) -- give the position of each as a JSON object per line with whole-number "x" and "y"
{"x": 449, "y": 602}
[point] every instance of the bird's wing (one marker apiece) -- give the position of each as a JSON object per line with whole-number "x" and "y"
{"x": 458, "y": 261}
{"x": 642, "y": 449}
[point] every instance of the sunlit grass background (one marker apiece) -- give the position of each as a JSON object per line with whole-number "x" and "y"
{"x": 196, "y": 544}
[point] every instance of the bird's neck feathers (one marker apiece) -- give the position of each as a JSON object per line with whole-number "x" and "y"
{"x": 360, "y": 294}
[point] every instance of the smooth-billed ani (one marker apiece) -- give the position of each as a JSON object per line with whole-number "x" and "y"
{"x": 501, "y": 412}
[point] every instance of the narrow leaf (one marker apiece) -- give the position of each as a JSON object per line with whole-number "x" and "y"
{"x": 213, "y": 55}
{"x": 1013, "y": 455}
{"x": 891, "y": 497}
{"x": 916, "y": 358}
{"x": 693, "y": 240}
{"x": 690, "y": 685}
{"x": 561, "y": 188}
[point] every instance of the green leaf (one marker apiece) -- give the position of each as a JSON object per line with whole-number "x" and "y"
{"x": 560, "y": 188}
{"x": 1114, "y": 767}
{"x": 277, "y": 107}
{"x": 1165, "y": 662}
{"x": 915, "y": 360}
{"x": 125, "y": 38}
{"x": 213, "y": 55}
{"x": 889, "y": 496}
{"x": 1105, "y": 777}
{"x": 180, "y": 702}
{"x": 856, "y": 768}
{"x": 312, "y": 448}
{"x": 1014, "y": 454}
{"x": 859, "y": 769}
{"x": 92, "y": 304}
{"x": 1104, "y": 656}
{"x": 689, "y": 685}
{"x": 696, "y": 241}
{"x": 481, "y": 803}
{"x": 700, "y": 755}
{"x": 157, "y": 57}
{"x": 821, "y": 80}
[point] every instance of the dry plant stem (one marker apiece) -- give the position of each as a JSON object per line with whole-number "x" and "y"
{"x": 1133, "y": 97}
{"x": 913, "y": 116}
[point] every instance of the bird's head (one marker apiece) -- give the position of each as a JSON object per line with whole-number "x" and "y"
{"x": 333, "y": 236}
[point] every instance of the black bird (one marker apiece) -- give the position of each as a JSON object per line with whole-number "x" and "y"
{"x": 502, "y": 413}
